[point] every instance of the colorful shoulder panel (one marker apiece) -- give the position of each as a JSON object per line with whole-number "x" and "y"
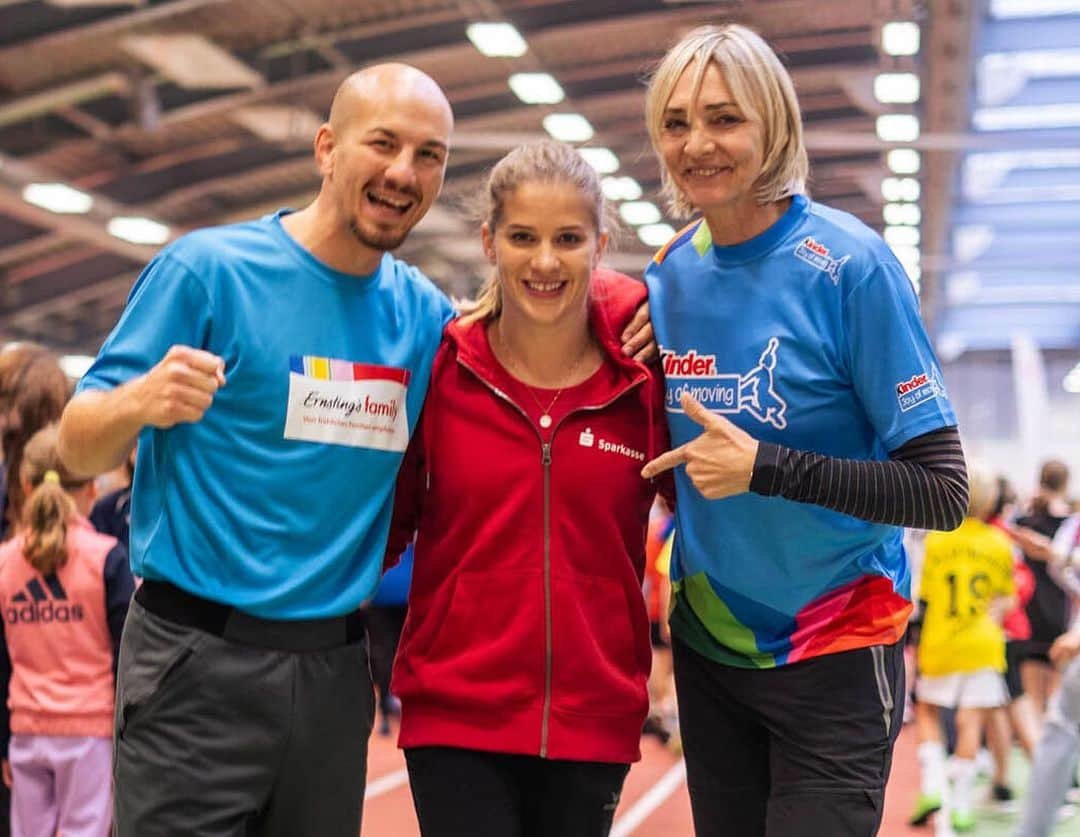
{"x": 696, "y": 232}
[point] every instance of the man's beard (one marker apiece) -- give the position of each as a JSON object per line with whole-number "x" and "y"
{"x": 376, "y": 240}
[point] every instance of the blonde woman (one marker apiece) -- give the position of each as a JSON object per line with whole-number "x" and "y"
{"x": 811, "y": 422}
{"x": 523, "y": 663}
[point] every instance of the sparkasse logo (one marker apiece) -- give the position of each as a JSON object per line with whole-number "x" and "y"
{"x": 34, "y": 605}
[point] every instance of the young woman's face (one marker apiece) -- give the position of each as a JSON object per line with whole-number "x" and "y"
{"x": 710, "y": 147}
{"x": 544, "y": 250}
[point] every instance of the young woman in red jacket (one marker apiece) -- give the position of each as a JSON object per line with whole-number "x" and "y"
{"x": 524, "y": 658}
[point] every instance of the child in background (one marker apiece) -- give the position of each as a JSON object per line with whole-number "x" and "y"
{"x": 385, "y": 619}
{"x": 64, "y": 594}
{"x": 966, "y": 588}
{"x": 662, "y": 719}
{"x": 1018, "y": 718}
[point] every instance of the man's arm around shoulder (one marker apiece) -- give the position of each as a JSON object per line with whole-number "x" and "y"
{"x": 99, "y": 427}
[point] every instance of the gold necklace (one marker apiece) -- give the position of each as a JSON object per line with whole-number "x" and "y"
{"x": 545, "y": 412}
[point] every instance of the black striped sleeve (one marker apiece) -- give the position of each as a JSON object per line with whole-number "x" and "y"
{"x": 923, "y": 485}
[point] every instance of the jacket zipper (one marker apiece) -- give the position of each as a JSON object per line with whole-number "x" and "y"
{"x": 545, "y": 461}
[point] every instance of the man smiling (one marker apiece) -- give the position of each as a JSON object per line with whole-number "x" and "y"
{"x": 259, "y": 519}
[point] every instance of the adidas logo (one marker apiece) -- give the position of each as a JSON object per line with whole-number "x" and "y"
{"x": 34, "y": 604}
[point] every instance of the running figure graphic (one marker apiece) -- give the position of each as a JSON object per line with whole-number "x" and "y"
{"x": 767, "y": 407}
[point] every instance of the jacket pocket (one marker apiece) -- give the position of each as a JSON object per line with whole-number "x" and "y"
{"x": 600, "y": 641}
{"x": 488, "y": 649}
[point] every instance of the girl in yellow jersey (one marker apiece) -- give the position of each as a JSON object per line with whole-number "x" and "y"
{"x": 966, "y": 588}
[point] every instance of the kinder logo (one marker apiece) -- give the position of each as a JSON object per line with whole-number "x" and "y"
{"x": 690, "y": 365}
{"x": 913, "y": 383}
{"x": 588, "y": 440}
{"x": 35, "y": 605}
{"x": 751, "y": 392}
{"x": 920, "y": 387}
{"x": 816, "y": 254}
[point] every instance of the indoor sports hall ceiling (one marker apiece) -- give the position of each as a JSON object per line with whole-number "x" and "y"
{"x": 164, "y": 115}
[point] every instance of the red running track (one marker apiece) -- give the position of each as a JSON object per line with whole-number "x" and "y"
{"x": 654, "y": 801}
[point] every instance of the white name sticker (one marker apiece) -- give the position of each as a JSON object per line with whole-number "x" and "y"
{"x": 342, "y": 403}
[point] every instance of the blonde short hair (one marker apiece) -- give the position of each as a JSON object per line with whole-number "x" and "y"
{"x": 763, "y": 90}
{"x": 983, "y": 489}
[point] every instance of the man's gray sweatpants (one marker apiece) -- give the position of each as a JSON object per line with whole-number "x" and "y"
{"x": 1055, "y": 757}
{"x": 220, "y": 739}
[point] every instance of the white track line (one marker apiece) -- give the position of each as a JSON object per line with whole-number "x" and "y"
{"x": 387, "y": 783}
{"x": 649, "y": 801}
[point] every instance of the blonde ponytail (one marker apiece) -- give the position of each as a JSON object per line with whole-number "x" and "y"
{"x": 45, "y": 519}
{"x": 49, "y": 507}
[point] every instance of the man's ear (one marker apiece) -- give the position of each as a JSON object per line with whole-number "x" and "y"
{"x": 324, "y": 149}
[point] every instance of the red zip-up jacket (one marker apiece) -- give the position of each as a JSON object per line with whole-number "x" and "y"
{"x": 527, "y": 631}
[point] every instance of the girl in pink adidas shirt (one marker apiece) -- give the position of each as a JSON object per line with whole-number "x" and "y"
{"x": 64, "y": 593}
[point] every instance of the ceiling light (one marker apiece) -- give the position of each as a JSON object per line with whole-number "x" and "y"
{"x": 601, "y": 159}
{"x": 1072, "y": 380}
{"x": 75, "y": 366}
{"x": 896, "y": 88}
{"x": 898, "y": 127}
{"x": 1064, "y": 115}
{"x": 640, "y": 212}
{"x": 536, "y": 88}
{"x": 58, "y": 197}
{"x": 901, "y": 213}
{"x": 909, "y": 260}
{"x": 655, "y": 235}
{"x": 901, "y": 236}
{"x": 903, "y": 161}
{"x": 497, "y": 39}
{"x": 138, "y": 230}
{"x": 906, "y": 254}
{"x": 900, "y": 189}
{"x": 900, "y": 38}
{"x": 1033, "y": 8}
{"x": 621, "y": 188}
{"x": 568, "y": 127}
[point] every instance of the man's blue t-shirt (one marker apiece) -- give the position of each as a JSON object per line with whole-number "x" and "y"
{"x": 808, "y": 336}
{"x": 278, "y": 501}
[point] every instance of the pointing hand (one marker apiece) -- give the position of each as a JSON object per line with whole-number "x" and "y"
{"x": 719, "y": 462}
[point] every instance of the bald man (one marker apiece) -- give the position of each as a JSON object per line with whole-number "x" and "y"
{"x": 272, "y": 373}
